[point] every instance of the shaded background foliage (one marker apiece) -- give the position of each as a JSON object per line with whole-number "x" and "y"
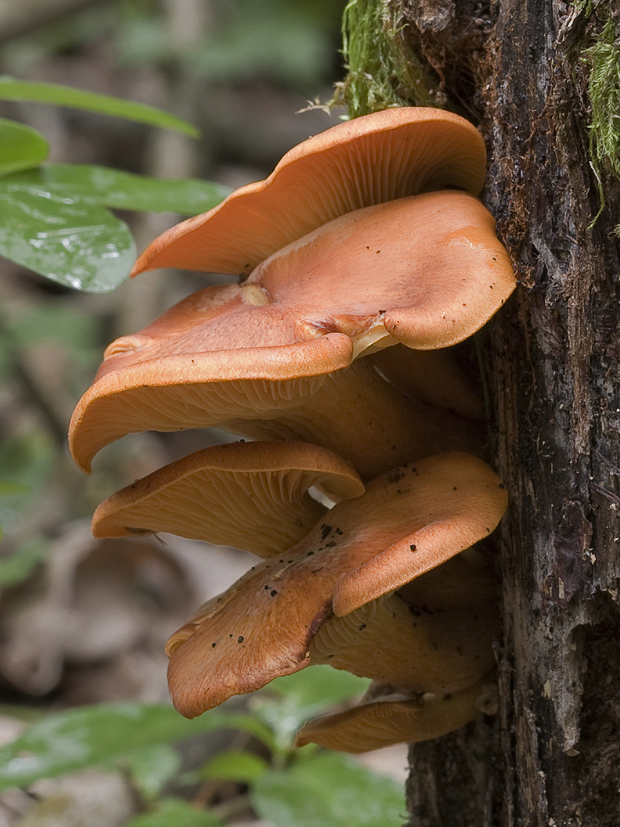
{"x": 83, "y": 623}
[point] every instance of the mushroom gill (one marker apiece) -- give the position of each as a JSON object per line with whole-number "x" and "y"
{"x": 396, "y": 718}
{"x": 253, "y": 496}
{"x": 406, "y": 523}
{"x": 365, "y": 161}
{"x": 426, "y": 271}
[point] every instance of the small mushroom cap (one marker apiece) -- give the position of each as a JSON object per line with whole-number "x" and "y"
{"x": 252, "y": 496}
{"x": 395, "y": 720}
{"x": 407, "y": 522}
{"x": 364, "y": 280}
{"x": 366, "y": 161}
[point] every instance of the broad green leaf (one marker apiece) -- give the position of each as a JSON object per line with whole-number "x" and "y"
{"x": 73, "y": 243}
{"x": 235, "y": 765}
{"x": 301, "y": 696}
{"x": 127, "y": 191}
{"x": 20, "y": 147}
{"x": 151, "y": 769}
{"x": 95, "y": 735}
{"x": 22, "y": 562}
{"x": 23, "y": 90}
{"x": 318, "y": 687}
{"x": 174, "y": 812}
{"x": 328, "y": 789}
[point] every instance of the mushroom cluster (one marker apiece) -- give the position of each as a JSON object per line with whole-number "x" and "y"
{"x": 365, "y": 257}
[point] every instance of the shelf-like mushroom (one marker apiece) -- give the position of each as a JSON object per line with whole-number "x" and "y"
{"x": 426, "y": 271}
{"x": 366, "y": 161}
{"x": 406, "y": 523}
{"x": 413, "y": 647}
{"x": 397, "y": 718}
{"x": 253, "y": 496}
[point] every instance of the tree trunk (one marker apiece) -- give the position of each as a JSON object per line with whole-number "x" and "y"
{"x": 552, "y": 754}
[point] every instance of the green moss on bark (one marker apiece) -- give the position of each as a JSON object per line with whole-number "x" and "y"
{"x": 382, "y": 69}
{"x": 603, "y": 58}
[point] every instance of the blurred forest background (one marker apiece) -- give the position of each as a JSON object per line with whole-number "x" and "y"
{"x": 84, "y": 622}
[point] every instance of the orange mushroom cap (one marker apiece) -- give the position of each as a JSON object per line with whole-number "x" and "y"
{"x": 407, "y": 522}
{"x": 396, "y": 719}
{"x": 366, "y": 161}
{"x": 426, "y": 271}
{"x": 253, "y": 496}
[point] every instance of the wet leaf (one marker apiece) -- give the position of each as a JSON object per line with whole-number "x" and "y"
{"x": 23, "y": 90}
{"x": 20, "y": 147}
{"x": 76, "y": 244}
{"x": 124, "y": 190}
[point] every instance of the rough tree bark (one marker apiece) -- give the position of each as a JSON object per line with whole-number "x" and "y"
{"x": 551, "y": 756}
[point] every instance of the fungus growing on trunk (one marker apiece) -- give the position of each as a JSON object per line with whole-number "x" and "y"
{"x": 396, "y": 718}
{"x": 413, "y": 647}
{"x": 406, "y": 523}
{"x": 426, "y": 271}
{"x": 366, "y": 161}
{"x": 253, "y": 496}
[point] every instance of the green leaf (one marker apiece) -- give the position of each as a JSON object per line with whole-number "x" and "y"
{"x": 26, "y": 463}
{"x": 151, "y": 769}
{"x": 73, "y": 243}
{"x": 126, "y": 191}
{"x": 95, "y": 735}
{"x": 20, "y": 147}
{"x": 302, "y": 696}
{"x": 174, "y": 812}
{"x": 8, "y": 488}
{"x": 23, "y": 90}
{"x": 22, "y": 563}
{"x": 318, "y": 687}
{"x": 235, "y": 766}
{"x": 328, "y": 789}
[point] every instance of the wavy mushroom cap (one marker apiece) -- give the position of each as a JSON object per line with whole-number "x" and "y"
{"x": 396, "y": 720}
{"x": 407, "y": 522}
{"x": 253, "y": 496}
{"x": 426, "y": 271}
{"x": 366, "y": 161}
